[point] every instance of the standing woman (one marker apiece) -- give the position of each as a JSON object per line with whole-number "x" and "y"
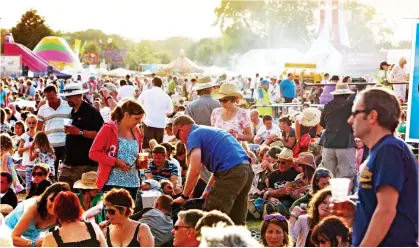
{"x": 25, "y": 146}
{"x": 116, "y": 149}
{"x": 229, "y": 117}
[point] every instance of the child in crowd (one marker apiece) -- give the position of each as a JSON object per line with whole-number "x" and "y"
{"x": 6, "y": 151}
{"x": 42, "y": 152}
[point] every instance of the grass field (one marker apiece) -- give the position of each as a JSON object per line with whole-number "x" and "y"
{"x": 254, "y": 225}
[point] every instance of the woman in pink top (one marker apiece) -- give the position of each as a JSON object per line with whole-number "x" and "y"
{"x": 229, "y": 117}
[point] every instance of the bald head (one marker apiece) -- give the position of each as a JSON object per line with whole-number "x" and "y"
{"x": 254, "y": 115}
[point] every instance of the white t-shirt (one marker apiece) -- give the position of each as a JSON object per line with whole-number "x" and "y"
{"x": 25, "y": 157}
{"x": 263, "y": 132}
{"x": 105, "y": 112}
{"x": 157, "y": 104}
{"x": 126, "y": 91}
{"x": 398, "y": 74}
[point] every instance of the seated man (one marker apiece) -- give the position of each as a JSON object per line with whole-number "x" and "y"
{"x": 184, "y": 229}
{"x": 8, "y": 196}
{"x": 268, "y": 133}
{"x": 158, "y": 219}
{"x": 160, "y": 168}
{"x": 278, "y": 188}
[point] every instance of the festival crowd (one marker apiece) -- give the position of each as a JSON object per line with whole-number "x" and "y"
{"x": 183, "y": 161}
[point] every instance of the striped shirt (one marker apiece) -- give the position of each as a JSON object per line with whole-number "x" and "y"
{"x": 166, "y": 172}
{"x": 54, "y": 122}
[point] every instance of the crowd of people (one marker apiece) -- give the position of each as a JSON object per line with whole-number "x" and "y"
{"x": 184, "y": 161}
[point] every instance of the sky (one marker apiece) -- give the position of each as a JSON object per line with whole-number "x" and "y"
{"x": 160, "y": 19}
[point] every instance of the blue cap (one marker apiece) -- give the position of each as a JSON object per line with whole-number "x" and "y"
{"x": 264, "y": 82}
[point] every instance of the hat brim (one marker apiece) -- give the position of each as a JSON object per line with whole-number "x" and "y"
{"x": 342, "y": 92}
{"x": 219, "y": 95}
{"x": 201, "y": 86}
{"x": 304, "y": 163}
{"x": 74, "y": 93}
{"x": 79, "y": 185}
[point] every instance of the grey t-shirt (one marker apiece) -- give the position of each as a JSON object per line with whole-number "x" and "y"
{"x": 200, "y": 110}
{"x": 160, "y": 225}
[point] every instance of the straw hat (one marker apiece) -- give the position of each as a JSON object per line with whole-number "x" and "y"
{"x": 5, "y": 209}
{"x": 286, "y": 154}
{"x": 88, "y": 181}
{"x": 203, "y": 83}
{"x": 73, "y": 89}
{"x": 306, "y": 158}
{"x": 342, "y": 89}
{"x": 226, "y": 90}
{"x": 310, "y": 117}
{"x": 244, "y": 103}
{"x": 276, "y": 143}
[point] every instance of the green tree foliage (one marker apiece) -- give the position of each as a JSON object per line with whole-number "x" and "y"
{"x": 172, "y": 45}
{"x": 92, "y": 46}
{"x": 142, "y": 53}
{"x": 31, "y": 29}
{"x": 267, "y": 24}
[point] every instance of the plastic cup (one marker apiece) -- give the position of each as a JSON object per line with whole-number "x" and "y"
{"x": 339, "y": 188}
{"x": 143, "y": 157}
{"x": 68, "y": 122}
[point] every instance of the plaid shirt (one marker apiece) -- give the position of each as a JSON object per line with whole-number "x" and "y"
{"x": 169, "y": 169}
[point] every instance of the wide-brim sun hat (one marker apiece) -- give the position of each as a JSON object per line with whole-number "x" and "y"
{"x": 286, "y": 154}
{"x": 87, "y": 181}
{"x": 310, "y": 117}
{"x": 73, "y": 89}
{"x": 306, "y": 158}
{"x": 203, "y": 83}
{"x": 227, "y": 90}
{"x": 342, "y": 89}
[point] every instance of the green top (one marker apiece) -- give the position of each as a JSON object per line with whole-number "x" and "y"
{"x": 95, "y": 200}
{"x": 171, "y": 86}
{"x": 305, "y": 199}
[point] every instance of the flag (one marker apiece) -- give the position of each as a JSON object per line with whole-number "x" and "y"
{"x": 83, "y": 47}
{"x": 76, "y": 49}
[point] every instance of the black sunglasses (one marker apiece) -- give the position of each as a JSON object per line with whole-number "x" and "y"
{"x": 113, "y": 211}
{"x": 179, "y": 227}
{"x": 358, "y": 111}
{"x": 223, "y": 100}
{"x": 39, "y": 174}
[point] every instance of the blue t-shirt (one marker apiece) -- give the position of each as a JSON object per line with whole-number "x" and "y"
{"x": 2, "y": 97}
{"x": 391, "y": 163}
{"x": 220, "y": 151}
{"x": 288, "y": 88}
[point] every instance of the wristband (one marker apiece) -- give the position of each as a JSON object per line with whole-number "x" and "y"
{"x": 184, "y": 197}
{"x": 33, "y": 243}
{"x": 208, "y": 188}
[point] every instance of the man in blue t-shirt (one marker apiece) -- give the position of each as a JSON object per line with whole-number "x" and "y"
{"x": 387, "y": 205}
{"x": 287, "y": 88}
{"x": 232, "y": 175}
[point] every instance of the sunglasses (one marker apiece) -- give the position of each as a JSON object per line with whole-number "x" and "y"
{"x": 39, "y": 174}
{"x": 179, "y": 227}
{"x": 223, "y": 100}
{"x": 359, "y": 111}
{"x": 274, "y": 216}
{"x": 178, "y": 132}
{"x": 113, "y": 211}
{"x": 282, "y": 162}
{"x": 322, "y": 173}
{"x": 31, "y": 123}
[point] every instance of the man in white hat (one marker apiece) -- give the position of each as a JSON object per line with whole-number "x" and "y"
{"x": 200, "y": 110}
{"x": 86, "y": 121}
{"x": 338, "y": 142}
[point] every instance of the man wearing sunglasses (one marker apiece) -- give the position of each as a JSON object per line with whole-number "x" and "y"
{"x": 231, "y": 180}
{"x": 387, "y": 204}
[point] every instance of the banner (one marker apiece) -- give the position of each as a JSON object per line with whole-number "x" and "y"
{"x": 10, "y": 66}
{"x": 412, "y": 122}
{"x": 77, "y": 45}
{"x": 115, "y": 56}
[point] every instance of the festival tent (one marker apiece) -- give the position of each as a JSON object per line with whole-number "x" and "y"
{"x": 34, "y": 62}
{"x": 120, "y": 72}
{"x": 182, "y": 65}
{"x": 57, "y": 52}
{"x": 217, "y": 71}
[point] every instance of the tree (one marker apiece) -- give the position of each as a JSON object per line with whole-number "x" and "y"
{"x": 92, "y": 47}
{"x": 31, "y": 29}
{"x": 163, "y": 57}
{"x": 267, "y": 24}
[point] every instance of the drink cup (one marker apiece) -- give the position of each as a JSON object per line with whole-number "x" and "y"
{"x": 68, "y": 122}
{"x": 143, "y": 157}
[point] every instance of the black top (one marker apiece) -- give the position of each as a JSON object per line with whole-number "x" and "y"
{"x": 9, "y": 198}
{"x": 92, "y": 242}
{"x": 77, "y": 147}
{"x": 134, "y": 242}
{"x": 277, "y": 180}
{"x": 38, "y": 189}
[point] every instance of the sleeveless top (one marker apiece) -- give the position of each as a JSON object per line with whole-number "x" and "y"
{"x": 134, "y": 242}
{"x": 92, "y": 242}
{"x": 32, "y": 232}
